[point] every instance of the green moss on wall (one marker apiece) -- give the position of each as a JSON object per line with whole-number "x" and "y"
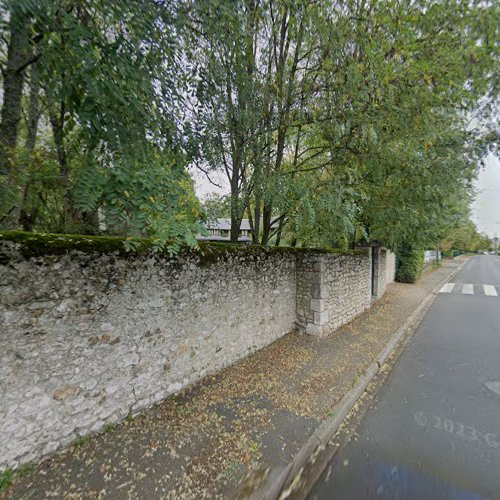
{"x": 38, "y": 244}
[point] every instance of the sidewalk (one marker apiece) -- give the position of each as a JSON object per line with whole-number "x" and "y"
{"x": 254, "y": 414}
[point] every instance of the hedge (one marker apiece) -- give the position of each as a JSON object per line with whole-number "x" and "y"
{"x": 409, "y": 264}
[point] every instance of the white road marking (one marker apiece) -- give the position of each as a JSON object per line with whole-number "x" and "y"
{"x": 490, "y": 290}
{"x": 447, "y": 288}
{"x": 468, "y": 289}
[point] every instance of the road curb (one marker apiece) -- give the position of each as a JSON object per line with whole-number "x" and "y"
{"x": 275, "y": 481}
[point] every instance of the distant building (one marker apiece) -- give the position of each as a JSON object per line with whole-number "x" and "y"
{"x": 220, "y": 230}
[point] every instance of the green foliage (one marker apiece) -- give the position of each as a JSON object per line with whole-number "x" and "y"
{"x": 81, "y": 441}
{"x": 155, "y": 197}
{"x": 216, "y": 206}
{"x": 112, "y": 64}
{"x": 6, "y": 477}
{"x": 333, "y": 126}
{"x": 409, "y": 264}
{"x": 318, "y": 214}
{"x": 113, "y": 158}
{"x": 401, "y": 138}
{"x": 367, "y": 138}
{"x": 464, "y": 237}
{"x": 25, "y": 470}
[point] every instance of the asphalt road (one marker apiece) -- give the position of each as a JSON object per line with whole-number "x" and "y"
{"x": 433, "y": 431}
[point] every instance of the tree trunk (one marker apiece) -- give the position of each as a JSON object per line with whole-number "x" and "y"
{"x": 280, "y": 231}
{"x": 354, "y": 238}
{"x": 266, "y": 223}
{"x": 236, "y": 212}
{"x": 256, "y": 219}
{"x": 27, "y": 218}
{"x": 235, "y": 217}
{"x": 27, "y": 215}
{"x": 33, "y": 113}
{"x": 13, "y": 79}
{"x": 57, "y": 123}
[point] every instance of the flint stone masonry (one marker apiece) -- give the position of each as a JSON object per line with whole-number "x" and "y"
{"x": 331, "y": 290}
{"x": 87, "y": 339}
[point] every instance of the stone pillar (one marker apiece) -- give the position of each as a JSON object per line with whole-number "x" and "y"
{"x": 379, "y": 266}
{"x": 390, "y": 271}
{"x": 312, "y": 293}
{"x": 375, "y": 265}
{"x": 317, "y": 302}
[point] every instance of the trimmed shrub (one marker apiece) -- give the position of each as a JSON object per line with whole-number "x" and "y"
{"x": 409, "y": 264}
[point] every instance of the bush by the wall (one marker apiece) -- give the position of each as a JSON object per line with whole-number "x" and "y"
{"x": 409, "y": 264}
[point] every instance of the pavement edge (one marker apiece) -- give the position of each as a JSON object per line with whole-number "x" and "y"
{"x": 275, "y": 481}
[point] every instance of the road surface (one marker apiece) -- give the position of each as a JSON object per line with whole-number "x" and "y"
{"x": 433, "y": 431}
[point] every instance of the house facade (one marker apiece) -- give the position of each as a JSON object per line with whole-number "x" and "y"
{"x": 220, "y": 230}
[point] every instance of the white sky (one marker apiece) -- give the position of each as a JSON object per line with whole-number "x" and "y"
{"x": 486, "y": 208}
{"x": 204, "y": 187}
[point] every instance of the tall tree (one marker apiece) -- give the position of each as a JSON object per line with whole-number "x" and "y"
{"x": 110, "y": 90}
{"x": 222, "y": 45}
{"x": 13, "y": 71}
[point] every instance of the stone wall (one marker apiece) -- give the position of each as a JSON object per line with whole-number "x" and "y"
{"x": 87, "y": 339}
{"x": 384, "y": 270}
{"x": 331, "y": 290}
{"x": 390, "y": 267}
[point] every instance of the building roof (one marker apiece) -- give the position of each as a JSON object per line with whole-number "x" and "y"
{"x": 225, "y": 224}
{"x": 242, "y": 239}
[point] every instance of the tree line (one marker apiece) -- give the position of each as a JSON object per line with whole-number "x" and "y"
{"x": 333, "y": 122}
{"x": 466, "y": 238}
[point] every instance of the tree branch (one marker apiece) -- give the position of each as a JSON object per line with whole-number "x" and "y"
{"x": 205, "y": 171}
{"x": 27, "y": 63}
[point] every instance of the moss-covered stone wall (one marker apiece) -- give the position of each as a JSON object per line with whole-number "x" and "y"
{"x": 91, "y": 332}
{"x": 38, "y": 244}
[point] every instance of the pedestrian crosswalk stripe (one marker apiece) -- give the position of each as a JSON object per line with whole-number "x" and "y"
{"x": 447, "y": 288}
{"x": 490, "y": 290}
{"x": 470, "y": 289}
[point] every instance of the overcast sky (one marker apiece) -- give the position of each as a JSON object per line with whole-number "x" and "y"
{"x": 486, "y": 208}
